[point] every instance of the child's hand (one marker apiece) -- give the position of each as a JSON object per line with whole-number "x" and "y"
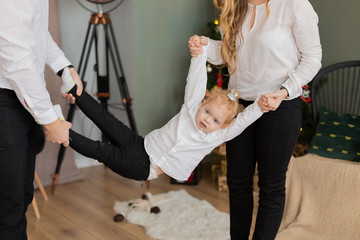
{"x": 195, "y": 45}
{"x": 69, "y": 79}
{"x": 69, "y": 97}
{"x": 77, "y": 80}
{"x": 274, "y": 99}
{"x": 263, "y": 104}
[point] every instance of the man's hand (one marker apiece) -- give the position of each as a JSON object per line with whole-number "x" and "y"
{"x": 195, "y": 45}
{"x": 58, "y": 132}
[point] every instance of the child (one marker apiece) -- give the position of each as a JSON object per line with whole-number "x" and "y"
{"x": 179, "y": 146}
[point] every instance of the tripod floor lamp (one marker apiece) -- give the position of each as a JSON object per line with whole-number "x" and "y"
{"x": 97, "y": 20}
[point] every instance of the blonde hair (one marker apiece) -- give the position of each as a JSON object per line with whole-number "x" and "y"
{"x": 221, "y": 96}
{"x": 232, "y": 17}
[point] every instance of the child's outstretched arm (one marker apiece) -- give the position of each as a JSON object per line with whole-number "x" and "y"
{"x": 244, "y": 119}
{"x": 250, "y": 114}
{"x": 196, "y": 80}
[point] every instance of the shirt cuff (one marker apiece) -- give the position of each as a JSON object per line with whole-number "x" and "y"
{"x": 214, "y": 56}
{"x": 292, "y": 86}
{"x": 59, "y": 64}
{"x": 47, "y": 117}
{"x": 205, "y": 50}
{"x": 211, "y": 43}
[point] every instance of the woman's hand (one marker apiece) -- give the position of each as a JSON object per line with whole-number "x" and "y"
{"x": 273, "y": 100}
{"x": 195, "y": 45}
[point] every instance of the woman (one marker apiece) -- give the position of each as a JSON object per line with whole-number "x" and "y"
{"x": 271, "y": 47}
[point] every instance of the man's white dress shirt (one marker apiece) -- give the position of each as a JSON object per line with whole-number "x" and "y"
{"x": 25, "y": 48}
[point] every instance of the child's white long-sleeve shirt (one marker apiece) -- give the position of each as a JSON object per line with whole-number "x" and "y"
{"x": 283, "y": 50}
{"x": 179, "y": 146}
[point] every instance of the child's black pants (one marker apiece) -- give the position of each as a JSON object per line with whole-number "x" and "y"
{"x": 124, "y": 153}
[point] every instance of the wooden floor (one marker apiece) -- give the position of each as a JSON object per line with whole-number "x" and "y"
{"x": 83, "y": 210}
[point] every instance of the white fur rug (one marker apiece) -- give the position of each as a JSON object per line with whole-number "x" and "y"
{"x": 181, "y": 217}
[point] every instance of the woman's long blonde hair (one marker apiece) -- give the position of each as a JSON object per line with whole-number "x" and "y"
{"x": 232, "y": 16}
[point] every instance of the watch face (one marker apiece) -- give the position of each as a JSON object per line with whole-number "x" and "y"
{"x": 100, "y": 1}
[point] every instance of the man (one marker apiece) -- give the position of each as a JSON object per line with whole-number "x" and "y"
{"x": 25, "y": 48}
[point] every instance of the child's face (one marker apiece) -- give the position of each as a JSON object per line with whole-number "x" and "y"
{"x": 211, "y": 117}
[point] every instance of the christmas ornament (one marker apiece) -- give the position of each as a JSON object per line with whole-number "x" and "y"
{"x": 305, "y": 96}
{"x": 219, "y": 80}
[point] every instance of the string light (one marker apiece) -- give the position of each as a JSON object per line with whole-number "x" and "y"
{"x": 208, "y": 68}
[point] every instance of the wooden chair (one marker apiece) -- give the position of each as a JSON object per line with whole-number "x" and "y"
{"x": 43, "y": 193}
{"x": 337, "y": 88}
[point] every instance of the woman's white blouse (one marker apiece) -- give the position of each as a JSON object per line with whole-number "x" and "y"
{"x": 284, "y": 50}
{"x": 179, "y": 146}
{"x": 25, "y": 47}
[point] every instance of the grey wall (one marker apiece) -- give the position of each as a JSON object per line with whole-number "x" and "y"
{"x": 339, "y": 29}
